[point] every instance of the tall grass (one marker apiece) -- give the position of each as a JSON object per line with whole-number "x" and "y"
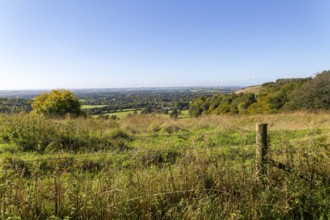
{"x": 147, "y": 167}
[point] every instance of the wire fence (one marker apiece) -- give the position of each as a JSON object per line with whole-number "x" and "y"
{"x": 57, "y": 186}
{"x": 60, "y": 155}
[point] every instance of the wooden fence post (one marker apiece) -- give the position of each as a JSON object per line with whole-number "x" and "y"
{"x": 261, "y": 149}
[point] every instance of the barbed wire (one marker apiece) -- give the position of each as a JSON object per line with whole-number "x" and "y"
{"x": 155, "y": 135}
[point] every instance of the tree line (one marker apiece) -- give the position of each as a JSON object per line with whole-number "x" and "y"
{"x": 283, "y": 95}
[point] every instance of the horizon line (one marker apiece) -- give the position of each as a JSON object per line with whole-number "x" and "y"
{"x": 137, "y": 87}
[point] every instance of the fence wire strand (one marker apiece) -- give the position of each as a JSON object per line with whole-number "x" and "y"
{"x": 135, "y": 151}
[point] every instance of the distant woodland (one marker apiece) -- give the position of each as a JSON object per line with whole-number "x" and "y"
{"x": 310, "y": 94}
{"x": 9, "y": 105}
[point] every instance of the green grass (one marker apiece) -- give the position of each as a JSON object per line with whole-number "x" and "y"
{"x": 92, "y": 106}
{"x": 184, "y": 114}
{"x": 149, "y": 167}
{"x": 121, "y": 114}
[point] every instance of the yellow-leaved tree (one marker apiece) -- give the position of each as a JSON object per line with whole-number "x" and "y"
{"x": 57, "y": 103}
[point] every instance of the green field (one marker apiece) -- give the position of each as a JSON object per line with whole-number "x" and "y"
{"x": 184, "y": 114}
{"x": 123, "y": 114}
{"x": 149, "y": 167}
{"x": 92, "y": 106}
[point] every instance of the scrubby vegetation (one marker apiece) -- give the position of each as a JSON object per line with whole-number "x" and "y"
{"x": 282, "y": 95}
{"x": 149, "y": 167}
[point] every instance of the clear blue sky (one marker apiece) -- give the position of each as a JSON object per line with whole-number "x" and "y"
{"x": 47, "y": 44}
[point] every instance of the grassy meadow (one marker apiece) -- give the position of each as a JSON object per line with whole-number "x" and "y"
{"x": 92, "y": 106}
{"x": 121, "y": 114}
{"x": 152, "y": 167}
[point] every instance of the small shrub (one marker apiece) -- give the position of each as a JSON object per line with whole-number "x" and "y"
{"x": 172, "y": 129}
{"x": 119, "y": 134}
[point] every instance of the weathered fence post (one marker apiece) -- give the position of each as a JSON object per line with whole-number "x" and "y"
{"x": 261, "y": 149}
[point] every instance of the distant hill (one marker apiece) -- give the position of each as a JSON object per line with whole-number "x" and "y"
{"x": 250, "y": 89}
{"x": 311, "y": 94}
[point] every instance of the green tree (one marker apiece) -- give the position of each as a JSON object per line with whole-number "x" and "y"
{"x": 195, "y": 108}
{"x": 147, "y": 110}
{"x": 313, "y": 95}
{"x": 57, "y": 103}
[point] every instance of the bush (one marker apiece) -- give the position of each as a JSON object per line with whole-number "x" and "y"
{"x": 57, "y": 103}
{"x": 174, "y": 114}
